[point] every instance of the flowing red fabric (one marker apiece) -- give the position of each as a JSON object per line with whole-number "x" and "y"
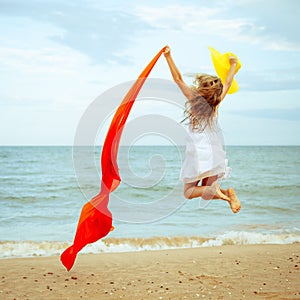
{"x": 95, "y": 220}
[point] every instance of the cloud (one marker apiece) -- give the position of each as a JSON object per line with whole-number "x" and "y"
{"x": 279, "y": 20}
{"x": 190, "y": 19}
{"x": 85, "y": 27}
{"x": 44, "y": 60}
{"x": 287, "y": 114}
{"x": 242, "y": 27}
{"x": 270, "y": 79}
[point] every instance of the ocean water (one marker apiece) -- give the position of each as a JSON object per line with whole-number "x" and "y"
{"x": 42, "y": 191}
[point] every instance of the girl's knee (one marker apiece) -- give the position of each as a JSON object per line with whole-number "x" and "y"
{"x": 187, "y": 194}
{"x": 189, "y": 189}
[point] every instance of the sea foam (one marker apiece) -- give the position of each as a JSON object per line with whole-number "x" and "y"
{"x": 9, "y": 249}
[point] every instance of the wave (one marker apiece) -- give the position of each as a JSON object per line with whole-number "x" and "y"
{"x": 250, "y": 238}
{"x": 9, "y": 249}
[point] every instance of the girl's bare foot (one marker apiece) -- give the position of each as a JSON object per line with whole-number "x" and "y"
{"x": 234, "y": 202}
{"x": 214, "y": 192}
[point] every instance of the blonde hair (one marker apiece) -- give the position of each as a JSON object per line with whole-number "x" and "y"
{"x": 201, "y": 109}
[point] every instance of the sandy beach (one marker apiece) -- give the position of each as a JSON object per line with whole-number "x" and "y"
{"x": 227, "y": 272}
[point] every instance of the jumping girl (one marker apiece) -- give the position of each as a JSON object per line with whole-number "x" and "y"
{"x": 205, "y": 160}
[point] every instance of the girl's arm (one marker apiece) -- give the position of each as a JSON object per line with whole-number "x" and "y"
{"x": 229, "y": 78}
{"x": 186, "y": 90}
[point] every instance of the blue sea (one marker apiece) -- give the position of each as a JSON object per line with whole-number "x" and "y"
{"x": 43, "y": 190}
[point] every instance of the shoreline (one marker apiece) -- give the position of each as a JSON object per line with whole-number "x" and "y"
{"x": 268, "y": 271}
{"x": 29, "y": 248}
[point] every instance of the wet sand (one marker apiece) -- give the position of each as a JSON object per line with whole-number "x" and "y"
{"x": 227, "y": 272}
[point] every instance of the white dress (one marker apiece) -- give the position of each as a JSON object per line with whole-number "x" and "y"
{"x": 205, "y": 154}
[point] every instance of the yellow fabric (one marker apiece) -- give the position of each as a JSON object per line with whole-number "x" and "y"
{"x": 222, "y": 66}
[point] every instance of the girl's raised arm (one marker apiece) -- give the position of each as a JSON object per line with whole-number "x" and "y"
{"x": 186, "y": 90}
{"x": 226, "y": 85}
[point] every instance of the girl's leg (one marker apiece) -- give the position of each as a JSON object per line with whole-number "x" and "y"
{"x": 209, "y": 189}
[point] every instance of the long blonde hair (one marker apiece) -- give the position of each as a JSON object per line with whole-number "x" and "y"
{"x": 201, "y": 109}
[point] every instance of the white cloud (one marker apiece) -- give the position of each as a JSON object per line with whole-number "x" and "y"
{"x": 207, "y": 21}
{"x": 44, "y": 60}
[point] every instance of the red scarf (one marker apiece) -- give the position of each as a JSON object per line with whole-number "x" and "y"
{"x": 95, "y": 220}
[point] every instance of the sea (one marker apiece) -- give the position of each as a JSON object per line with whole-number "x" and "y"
{"x": 43, "y": 188}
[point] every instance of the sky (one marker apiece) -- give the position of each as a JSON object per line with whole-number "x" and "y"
{"x": 58, "y": 57}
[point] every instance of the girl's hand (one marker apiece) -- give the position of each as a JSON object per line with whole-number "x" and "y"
{"x": 167, "y": 51}
{"x": 233, "y": 60}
